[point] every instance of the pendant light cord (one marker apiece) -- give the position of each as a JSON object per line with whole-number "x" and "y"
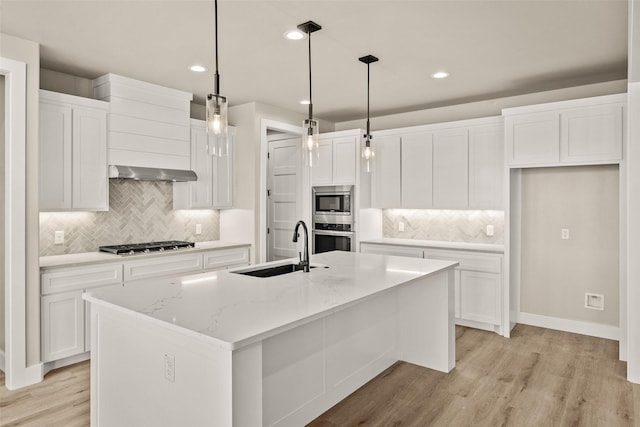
{"x": 368, "y": 123}
{"x": 310, "y": 98}
{"x": 217, "y": 77}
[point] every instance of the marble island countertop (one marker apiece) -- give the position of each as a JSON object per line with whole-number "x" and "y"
{"x": 71, "y": 260}
{"x": 439, "y": 244}
{"x": 233, "y": 310}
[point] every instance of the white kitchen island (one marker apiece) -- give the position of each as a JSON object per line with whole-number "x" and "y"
{"x": 224, "y": 349}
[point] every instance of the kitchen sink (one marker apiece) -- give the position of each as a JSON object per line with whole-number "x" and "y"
{"x": 272, "y": 271}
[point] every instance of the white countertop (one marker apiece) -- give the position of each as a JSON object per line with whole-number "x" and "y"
{"x": 72, "y": 260}
{"x": 439, "y": 244}
{"x": 233, "y": 310}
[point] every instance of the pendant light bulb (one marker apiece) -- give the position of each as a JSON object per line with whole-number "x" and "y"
{"x": 216, "y": 106}
{"x": 367, "y": 151}
{"x": 310, "y": 127}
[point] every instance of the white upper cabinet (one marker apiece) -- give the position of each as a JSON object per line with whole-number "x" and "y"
{"x": 214, "y": 187}
{"x": 451, "y": 169}
{"x": 457, "y": 165}
{"x": 417, "y": 173}
{"x": 486, "y": 166}
{"x": 583, "y": 131}
{"x": 385, "y": 172}
{"x": 591, "y": 133}
{"x": 533, "y": 138}
{"x": 336, "y": 162}
{"x": 73, "y": 153}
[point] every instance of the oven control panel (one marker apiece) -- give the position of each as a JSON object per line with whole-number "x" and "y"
{"x": 332, "y": 227}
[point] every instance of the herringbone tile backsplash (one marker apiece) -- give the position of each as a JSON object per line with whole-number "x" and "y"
{"x": 447, "y": 225}
{"x": 139, "y": 211}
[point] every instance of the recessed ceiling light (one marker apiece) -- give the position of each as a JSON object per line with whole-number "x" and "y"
{"x": 294, "y": 35}
{"x": 198, "y": 68}
{"x": 305, "y": 102}
{"x": 440, "y": 75}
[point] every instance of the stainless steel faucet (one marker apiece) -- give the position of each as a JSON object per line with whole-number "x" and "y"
{"x": 304, "y": 262}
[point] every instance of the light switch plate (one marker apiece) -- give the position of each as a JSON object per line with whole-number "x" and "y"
{"x": 58, "y": 237}
{"x": 401, "y": 226}
{"x": 489, "y": 230}
{"x": 564, "y": 234}
{"x": 198, "y": 228}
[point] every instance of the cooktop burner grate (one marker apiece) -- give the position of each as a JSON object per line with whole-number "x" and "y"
{"x": 136, "y": 248}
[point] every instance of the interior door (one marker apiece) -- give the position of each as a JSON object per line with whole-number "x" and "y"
{"x": 282, "y": 192}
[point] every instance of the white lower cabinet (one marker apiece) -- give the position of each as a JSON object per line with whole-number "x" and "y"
{"x": 225, "y": 258}
{"x": 391, "y": 250}
{"x": 62, "y": 325}
{"x": 478, "y": 292}
{"x": 65, "y": 317}
{"x": 478, "y": 281}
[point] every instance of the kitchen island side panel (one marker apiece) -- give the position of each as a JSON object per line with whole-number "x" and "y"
{"x": 286, "y": 379}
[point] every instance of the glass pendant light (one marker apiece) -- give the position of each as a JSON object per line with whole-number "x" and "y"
{"x": 310, "y": 127}
{"x": 217, "y": 126}
{"x": 367, "y": 150}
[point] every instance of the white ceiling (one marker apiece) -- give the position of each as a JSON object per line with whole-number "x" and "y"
{"x": 491, "y": 48}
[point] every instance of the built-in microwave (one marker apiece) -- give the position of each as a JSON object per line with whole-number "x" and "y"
{"x": 333, "y": 204}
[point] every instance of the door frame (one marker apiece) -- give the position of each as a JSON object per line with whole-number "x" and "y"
{"x": 14, "y": 359}
{"x": 265, "y": 126}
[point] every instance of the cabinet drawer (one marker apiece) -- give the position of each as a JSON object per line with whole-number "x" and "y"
{"x": 391, "y": 250}
{"x": 78, "y": 278}
{"x": 224, "y": 258}
{"x": 162, "y": 266}
{"x": 471, "y": 261}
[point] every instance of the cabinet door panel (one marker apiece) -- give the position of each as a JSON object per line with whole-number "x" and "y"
{"x": 593, "y": 133}
{"x": 417, "y": 172}
{"x": 385, "y": 173}
{"x": 162, "y": 266}
{"x": 225, "y": 258}
{"x": 322, "y": 170}
{"x": 480, "y": 297}
{"x": 90, "y": 180}
{"x": 62, "y": 325}
{"x": 533, "y": 138}
{"x": 344, "y": 161}
{"x": 223, "y": 176}
{"x": 486, "y": 167}
{"x": 200, "y": 192}
{"x": 55, "y": 156}
{"x": 451, "y": 169}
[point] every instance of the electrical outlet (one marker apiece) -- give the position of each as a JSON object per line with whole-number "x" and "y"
{"x": 170, "y": 368}
{"x": 489, "y": 230}
{"x": 58, "y": 237}
{"x": 564, "y": 234}
{"x": 401, "y": 226}
{"x": 198, "y": 228}
{"x": 594, "y": 301}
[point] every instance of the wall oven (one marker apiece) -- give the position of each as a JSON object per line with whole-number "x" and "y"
{"x": 333, "y": 237}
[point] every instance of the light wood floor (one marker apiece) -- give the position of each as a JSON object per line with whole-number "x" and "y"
{"x": 539, "y": 377}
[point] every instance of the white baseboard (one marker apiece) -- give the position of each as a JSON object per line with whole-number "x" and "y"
{"x": 567, "y": 325}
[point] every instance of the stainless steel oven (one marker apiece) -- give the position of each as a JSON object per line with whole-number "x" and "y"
{"x": 333, "y": 204}
{"x": 333, "y": 237}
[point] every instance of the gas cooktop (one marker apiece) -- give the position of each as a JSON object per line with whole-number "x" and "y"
{"x": 136, "y": 248}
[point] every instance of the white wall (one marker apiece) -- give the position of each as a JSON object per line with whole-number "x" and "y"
{"x": 556, "y": 273}
{"x": 633, "y": 197}
{"x": 29, "y": 52}
{"x": 492, "y": 107}
{"x": 2, "y": 345}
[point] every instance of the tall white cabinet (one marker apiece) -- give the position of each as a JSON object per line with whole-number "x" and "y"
{"x": 73, "y": 153}
{"x": 214, "y": 187}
